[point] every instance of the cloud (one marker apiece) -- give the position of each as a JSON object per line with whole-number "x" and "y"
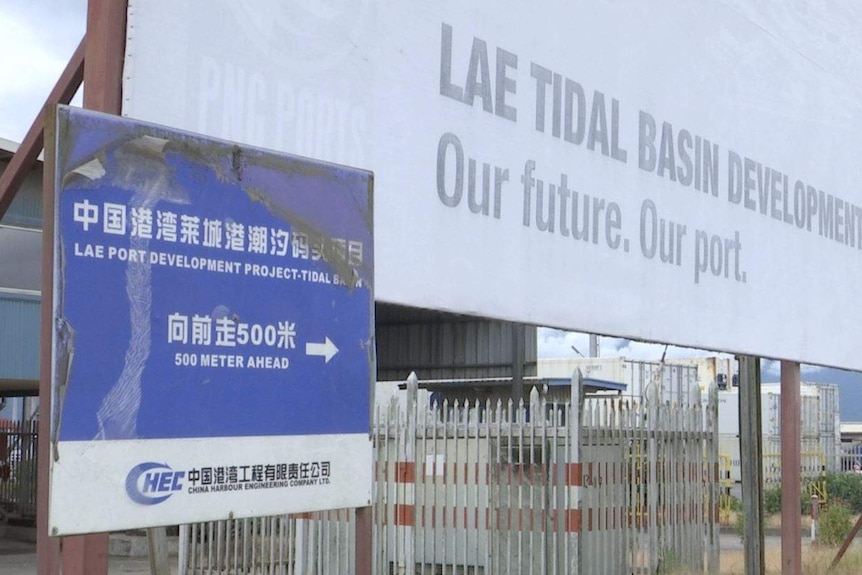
{"x": 36, "y": 40}
{"x": 554, "y": 343}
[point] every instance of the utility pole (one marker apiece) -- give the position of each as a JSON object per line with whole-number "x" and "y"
{"x": 791, "y": 470}
{"x": 594, "y": 345}
{"x": 751, "y": 451}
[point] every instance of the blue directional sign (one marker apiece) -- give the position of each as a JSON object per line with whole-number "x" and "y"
{"x": 207, "y": 290}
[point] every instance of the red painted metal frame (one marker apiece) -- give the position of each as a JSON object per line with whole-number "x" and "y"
{"x": 791, "y": 465}
{"x": 106, "y": 46}
{"x": 99, "y": 62}
{"x": 102, "y": 54}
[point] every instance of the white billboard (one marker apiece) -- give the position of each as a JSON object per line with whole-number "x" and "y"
{"x": 670, "y": 171}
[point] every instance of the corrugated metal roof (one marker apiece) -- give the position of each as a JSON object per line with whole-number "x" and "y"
{"x": 8, "y": 148}
{"x": 439, "y": 345}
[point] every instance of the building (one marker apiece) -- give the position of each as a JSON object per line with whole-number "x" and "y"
{"x": 20, "y": 276}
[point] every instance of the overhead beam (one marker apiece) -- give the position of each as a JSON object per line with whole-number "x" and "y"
{"x": 22, "y": 161}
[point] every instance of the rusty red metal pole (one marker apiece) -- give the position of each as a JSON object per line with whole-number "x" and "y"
{"x": 48, "y": 549}
{"x": 103, "y": 91}
{"x": 364, "y": 540}
{"x": 105, "y": 55}
{"x": 791, "y": 466}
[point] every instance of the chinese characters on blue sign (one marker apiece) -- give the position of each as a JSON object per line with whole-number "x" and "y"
{"x": 207, "y": 291}
{"x": 211, "y": 291}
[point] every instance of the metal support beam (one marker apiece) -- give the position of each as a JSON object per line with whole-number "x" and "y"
{"x": 99, "y": 63}
{"x": 90, "y": 554}
{"x": 364, "y": 540}
{"x": 846, "y": 545}
{"x": 48, "y": 548}
{"x": 751, "y": 451}
{"x": 157, "y": 539}
{"x": 791, "y": 469}
{"x": 518, "y": 357}
{"x": 20, "y": 164}
{"x": 106, "y": 45}
{"x": 103, "y": 91}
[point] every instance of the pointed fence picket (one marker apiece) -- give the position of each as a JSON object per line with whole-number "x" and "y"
{"x": 595, "y": 486}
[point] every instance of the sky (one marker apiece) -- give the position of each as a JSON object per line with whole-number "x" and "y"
{"x": 37, "y": 38}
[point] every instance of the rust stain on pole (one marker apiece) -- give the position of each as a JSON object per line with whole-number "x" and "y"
{"x": 791, "y": 465}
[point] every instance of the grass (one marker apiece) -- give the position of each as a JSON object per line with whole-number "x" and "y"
{"x": 815, "y": 561}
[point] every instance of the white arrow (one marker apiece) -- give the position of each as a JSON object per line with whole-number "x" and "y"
{"x": 326, "y": 349}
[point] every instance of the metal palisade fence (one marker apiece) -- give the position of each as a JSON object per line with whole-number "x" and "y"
{"x": 600, "y": 485}
{"x": 18, "y": 443}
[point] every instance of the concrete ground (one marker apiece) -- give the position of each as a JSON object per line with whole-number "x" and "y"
{"x": 19, "y": 558}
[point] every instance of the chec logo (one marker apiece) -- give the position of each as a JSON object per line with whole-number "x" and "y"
{"x": 150, "y": 483}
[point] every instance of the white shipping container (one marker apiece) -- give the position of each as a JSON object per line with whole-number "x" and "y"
{"x": 728, "y": 413}
{"x": 820, "y": 431}
{"x": 675, "y": 383}
{"x": 721, "y": 371}
{"x": 603, "y": 368}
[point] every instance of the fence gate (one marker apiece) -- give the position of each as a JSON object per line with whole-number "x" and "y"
{"x": 610, "y": 486}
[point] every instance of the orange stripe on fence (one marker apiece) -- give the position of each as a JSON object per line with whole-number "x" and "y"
{"x": 405, "y": 472}
{"x": 574, "y": 475}
{"x": 404, "y": 514}
{"x": 573, "y": 521}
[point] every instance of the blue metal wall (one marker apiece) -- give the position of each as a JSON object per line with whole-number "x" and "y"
{"x": 19, "y": 336}
{"x": 19, "y": 313}
{"x": 26, "y": 208}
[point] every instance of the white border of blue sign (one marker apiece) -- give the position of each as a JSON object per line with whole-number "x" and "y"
{"x": 242, "y": 386}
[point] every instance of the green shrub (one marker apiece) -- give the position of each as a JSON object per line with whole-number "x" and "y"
{"x": 669, "y": 563}
{"x": 740, "y": 524}
{"x": 845, "y": 488}
{"x": 835, "y": 524}
{"x": 729, "y": 502}
{"x": 772, "y": 500}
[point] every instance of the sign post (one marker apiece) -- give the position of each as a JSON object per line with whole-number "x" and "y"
{"x": 213, "y": 329}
